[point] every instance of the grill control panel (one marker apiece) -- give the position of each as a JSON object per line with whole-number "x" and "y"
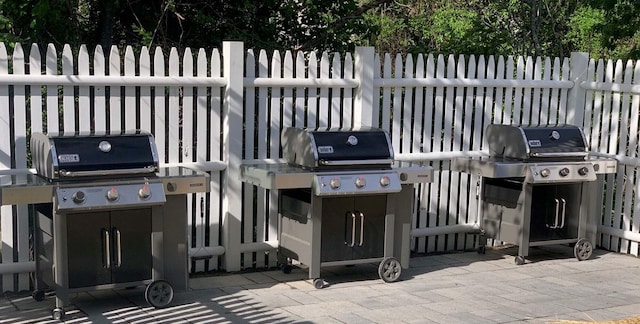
{"x": 327, "y": 184}
{"x": 116, "y": 196}
{"x": 552, "y": 173}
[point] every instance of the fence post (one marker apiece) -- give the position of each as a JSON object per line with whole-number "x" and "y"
{"x": 233, "y": 69}
{"x": 364, "y": 96}
{"x": 577, "y": 95}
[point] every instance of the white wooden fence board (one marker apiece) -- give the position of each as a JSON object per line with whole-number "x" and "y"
{"x": 51, "y": 68}
{"x": 68, "y": 93}
{"x": 35, "y": 64}
{"x": 130, "y": 105}
{"x": 633, "y": 195}
{"x": 347, "y": 93}
{"x": 146, "y": 119}
{"x": 115, "y": 101}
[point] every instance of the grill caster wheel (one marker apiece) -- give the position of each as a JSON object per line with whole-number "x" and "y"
{"x": 583, "y": 249}
{"x": 159, "y": 294}
{"x": 519, "y": 260}
{"x": 286, "y": 268}
{"x": 318, "y": 283}
{"x": 57, "y": 314}
{"x": 38, "y": 295}
{"x": 389, "y": 269}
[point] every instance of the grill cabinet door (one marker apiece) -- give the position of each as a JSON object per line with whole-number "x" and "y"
{"x": 371, "y": 210}
{"x": 132, "y": 259}
{"x": 336, "y": 233}
{"x": 86, "y": 249}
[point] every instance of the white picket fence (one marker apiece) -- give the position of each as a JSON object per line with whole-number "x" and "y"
{"x": 213, "y": 110}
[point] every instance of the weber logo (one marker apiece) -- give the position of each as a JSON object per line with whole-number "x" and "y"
{"x": 325, "y": 149}
{"x": 69, "y": 158}
{"x": 535, "y": 143}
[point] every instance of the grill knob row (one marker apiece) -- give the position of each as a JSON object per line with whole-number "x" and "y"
{"x": 334, "y": 183}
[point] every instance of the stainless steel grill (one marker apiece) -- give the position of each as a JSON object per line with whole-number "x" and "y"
{"x": 106, "y": 215}
{"x": 536, "y": 187}
{"x": 342, "y": 199}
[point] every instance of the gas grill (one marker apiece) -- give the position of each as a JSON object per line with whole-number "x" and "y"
{"x": 106, "y": 215}
{"x": 342, "y": 199}
{"x": 537, "y": 187}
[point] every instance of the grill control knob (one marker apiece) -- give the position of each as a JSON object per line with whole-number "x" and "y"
{"x": 78, "y": 197}
{"x": 335, "y": 183}
{"x": 583, "y": 171}
{"x": 545, "y": 172}
{"x": 112, "y": 194}
{"x": 385, "y": 181}
{"x": 564, "y": 172}
{"x": 144, "y": 192}
{"x": 361, "y": 182}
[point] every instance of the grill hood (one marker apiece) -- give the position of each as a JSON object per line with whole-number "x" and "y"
{"x": 557, "y": 142}
{"x": 59, "y": 156}
{"x": 328, "y": 148}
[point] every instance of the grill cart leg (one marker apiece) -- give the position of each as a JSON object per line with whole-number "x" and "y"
{"x": 583, "y": 249}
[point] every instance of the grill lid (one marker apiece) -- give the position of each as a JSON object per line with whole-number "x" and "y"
{"x": 557, "y": 142}
{"x": 57, "y": 156}
{"x": 326, "y": 148}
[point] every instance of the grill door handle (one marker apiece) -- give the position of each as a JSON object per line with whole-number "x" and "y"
{"x": 106, "y": 262}
{"x": 361, "y": 228}
{"x": 555, "y": 224}
{"x": 118, "y": 247}
{"x": 353, "y": 229}
{"x": 564, "y": 211}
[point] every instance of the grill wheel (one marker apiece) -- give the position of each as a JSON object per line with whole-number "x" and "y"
{"x": 389, "y": 269}
{"x": 583, "y": 249}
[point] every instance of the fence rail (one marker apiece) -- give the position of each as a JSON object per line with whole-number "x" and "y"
{"x": 212, "y": 111}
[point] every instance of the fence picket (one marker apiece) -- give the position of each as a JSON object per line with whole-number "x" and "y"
{"x": 130, "y": 106}
{"x": 159, "y": 112}
{"x": 68, "y": 93}
{"x": 633, "y": 194}
{"x": 115, "y": 101}
{"x": 623, "y": 182}
{"x": 146, "y": 119}
{"x": 100, "y": 106}
{"x": 335, "y": 109}
{"x": 312, "y": 93}
{"x": 213, "y": 218}
{"x": 35, "y": 101}
{"x": 51, "y": 68}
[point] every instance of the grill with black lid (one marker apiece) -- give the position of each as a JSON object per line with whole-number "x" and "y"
{"x": 106, "y": 215}
{"x": 538, "y": 187}
{"x": 342, "y": 199}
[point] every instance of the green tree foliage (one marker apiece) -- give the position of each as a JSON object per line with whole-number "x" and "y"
{"x": 608, "y": 28}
